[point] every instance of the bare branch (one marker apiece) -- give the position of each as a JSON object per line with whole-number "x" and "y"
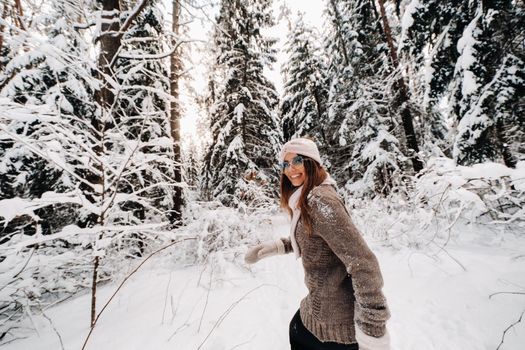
{"x": 124, "y": 281}
{"x": 515, "y": 293}
{"x": 54, "y": 328}
{"x": 134, "y": 13}
{"x": 229, "y": 309}
{"x": 508, "y": 328}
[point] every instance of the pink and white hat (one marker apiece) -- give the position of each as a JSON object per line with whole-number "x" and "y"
{"x": 302, "y": 146}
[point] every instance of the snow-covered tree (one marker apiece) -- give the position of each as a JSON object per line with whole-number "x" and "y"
{"x": 377, "y": 161}
{"x": 241, "y": 160}
{"x": 364, "y": 152}
{"x": 303, "y": 105}
{"x": 489, "y": 80}
{"x": 85, "y": 146}
{"x": 141, "y": 112}
{"x": 474, "y": 63}
{"x": 44, "y": 72}
{"x": 341, "y": 44}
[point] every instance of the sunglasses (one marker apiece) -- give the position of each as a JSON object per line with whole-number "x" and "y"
{"x": 296, "y": 162}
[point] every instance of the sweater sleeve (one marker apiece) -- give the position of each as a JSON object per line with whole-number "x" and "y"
{"x": 333, "y": 224}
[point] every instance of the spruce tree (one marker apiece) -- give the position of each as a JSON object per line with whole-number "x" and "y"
{"x": 476, "y": 66}
{"x": 364, "y": 153}
{"x": 241, "y": 161}
{"x": 489, "y": 81}
{"x": 43, "y": 77}
{"x": 304, "y": 101}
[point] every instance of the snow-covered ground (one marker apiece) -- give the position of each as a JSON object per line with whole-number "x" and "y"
{"x": 445, "y": 301}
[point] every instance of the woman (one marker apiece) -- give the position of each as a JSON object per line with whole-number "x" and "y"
{"x": 345, "y": 306}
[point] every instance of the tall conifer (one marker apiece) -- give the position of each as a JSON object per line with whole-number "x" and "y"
{"x": 244, "y": 125}
{"x": 364, "y": 152}
{"x": 304, "y": 102}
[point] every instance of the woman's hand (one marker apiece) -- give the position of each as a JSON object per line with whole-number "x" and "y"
{"x": 367, "y": 342}
{"x": 264, "y": 250}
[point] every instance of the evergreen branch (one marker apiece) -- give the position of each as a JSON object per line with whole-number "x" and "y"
{"x": 43, "y": 156}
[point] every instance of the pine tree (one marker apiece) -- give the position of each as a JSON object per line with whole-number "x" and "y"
{"x": 432, "y": 28}
{"x": 477, "y": 66}
{"x": 365, "y": 154}
{"x": 490, "y": 75}
{"x": 244, "y": 125}
{"x": 42, "y": 77}
{"x": 341, "y": 43}
{"x": 45, "y": 84}
{"x": 303, "y": 106}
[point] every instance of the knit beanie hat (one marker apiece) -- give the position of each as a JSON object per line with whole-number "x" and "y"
{"x": 302, "y": 146}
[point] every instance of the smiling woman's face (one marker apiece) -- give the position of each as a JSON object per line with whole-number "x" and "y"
{"x": 295, "y": 173}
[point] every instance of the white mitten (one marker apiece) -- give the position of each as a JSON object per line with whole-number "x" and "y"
{"x": 367, "y": 342}
{"x": 264, "y": 250}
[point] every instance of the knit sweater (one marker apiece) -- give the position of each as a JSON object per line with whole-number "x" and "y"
{"x": 341, "y": 273}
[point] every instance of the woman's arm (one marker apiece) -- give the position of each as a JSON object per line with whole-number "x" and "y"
{"x": 332, "y": 222}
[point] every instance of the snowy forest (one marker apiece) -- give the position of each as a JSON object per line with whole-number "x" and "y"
{"x": 121, "y": 230}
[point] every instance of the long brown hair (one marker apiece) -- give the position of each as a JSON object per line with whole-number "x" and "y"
{"x": 314, "y": 176}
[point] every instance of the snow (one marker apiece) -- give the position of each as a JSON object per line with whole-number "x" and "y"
{"x": 467, "y": 58}
{"x": 13, "y": 207}
{"x": 442, "y": 299}
{"x": 488, "y": 170}
{"x": 407, "y": 21}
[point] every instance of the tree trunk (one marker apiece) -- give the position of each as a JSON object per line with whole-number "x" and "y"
{"x": 505, "y": 151}
{"x": 175, "y": 114}
{"x": 19, "y": 15}
{"x": 406, "y": 114}
{"x": 109, "y": 45}
{"x": 94, "y": 292}
{"x": 2, "y": 26}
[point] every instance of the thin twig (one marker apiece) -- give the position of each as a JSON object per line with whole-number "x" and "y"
{"x": 517, "y": 293}
{"x": 206, "y": 302}
{"x": 508, "y": 328}
{"x": 185, "y": 323}
{"x": 228, "y": 310}
{"x": 174, "y": 311}
{"x": 124, "y": 281}
{"x": 450, "y": 256}
{"x": 243, "y": 343}
{"x": 166, "y": 299}
{"x": 25, "y": 264}
{"x": 54, "y": 328}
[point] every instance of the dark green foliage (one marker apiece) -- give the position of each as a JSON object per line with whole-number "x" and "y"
{"x": 477, "y": 65}
{"x": 240, "y": 163}
{"x": 304, "y": 102}
{"x": 363, "y": 151}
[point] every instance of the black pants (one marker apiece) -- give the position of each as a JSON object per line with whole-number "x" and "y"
{"x": 302, "y": 339}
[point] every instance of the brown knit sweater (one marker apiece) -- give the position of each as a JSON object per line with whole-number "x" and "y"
{"x": 342, "y": 274}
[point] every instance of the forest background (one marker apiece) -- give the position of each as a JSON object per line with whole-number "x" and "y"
{"x": 418, "y": 108}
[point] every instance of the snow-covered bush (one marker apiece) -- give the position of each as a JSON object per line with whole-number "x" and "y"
{"x": 484, "y": 193}
{"x": 39, "y": 270}
{"x": 427, "y": 208}
{"x": 222, "y": 233}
